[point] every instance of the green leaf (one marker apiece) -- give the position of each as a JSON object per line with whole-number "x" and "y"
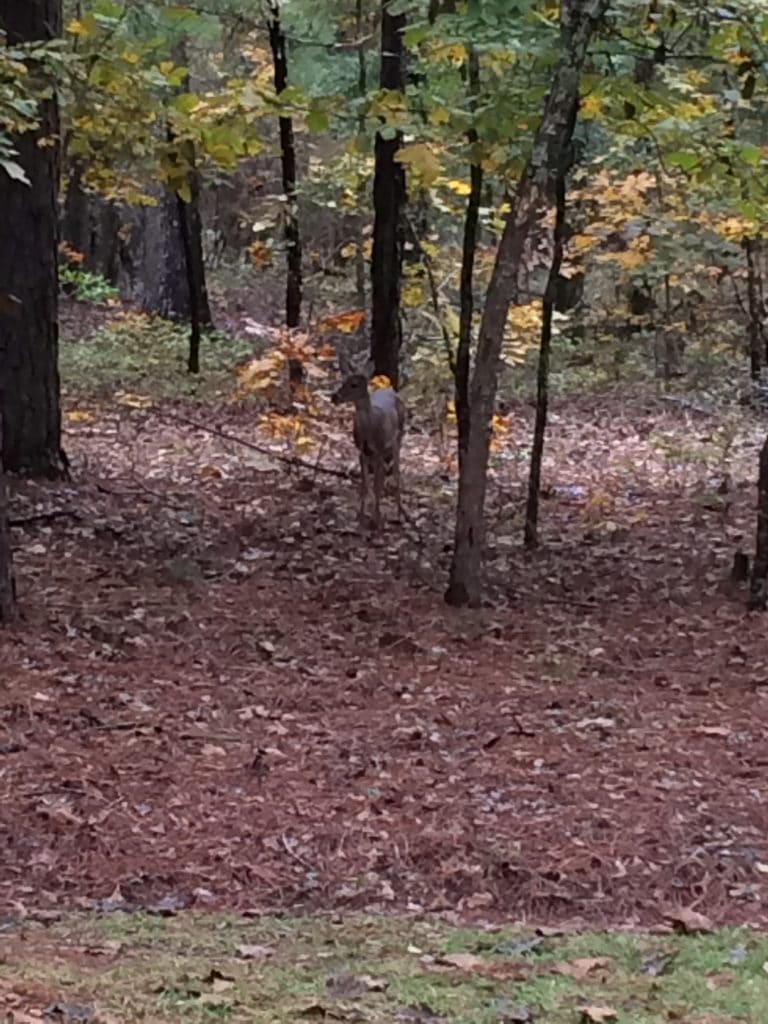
{"x": 317, "y": 120}
{"x": 685, "y": 161}
{"x": 14, "y": 171}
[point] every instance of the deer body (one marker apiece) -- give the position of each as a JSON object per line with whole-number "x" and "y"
{"x": 378, "y": 433}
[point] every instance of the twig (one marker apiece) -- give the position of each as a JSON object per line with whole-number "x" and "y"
{"x": 289, "y": 460}
{"x": 44, "y": 517}
{"x": 292, "y": 853}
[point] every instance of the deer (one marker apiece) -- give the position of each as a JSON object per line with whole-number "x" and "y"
{"x": 377, "y": 428}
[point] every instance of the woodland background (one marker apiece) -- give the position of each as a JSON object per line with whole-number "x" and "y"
{"x": 539, "y": 697}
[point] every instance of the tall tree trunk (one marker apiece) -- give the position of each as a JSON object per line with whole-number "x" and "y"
{"x": 388, "y": 203}
{"x": 759, "y": 577}
{"x": 531, "y": 537}
{"x": 756, "y": 337}
{"x": 7, "y": 588}
{"x": 152, "y": 265}
{"x": 90, "y": 226}
{"x": 551, "y": 151}
{"x": 29, "y": 330}
{"x": 362, "y": 89}
{"x": 291, "y": 231}
{"x": 461, "y": 369}
{"x": 191, "y": 229}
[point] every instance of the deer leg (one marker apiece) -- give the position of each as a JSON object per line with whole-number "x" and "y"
{"x": 363, "y": 485}
{"x": 396, "y": 482}
{"x": 378, "y": 488}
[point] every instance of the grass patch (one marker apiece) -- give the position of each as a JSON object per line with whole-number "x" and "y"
{"x": 196, "y": 967}
{"x": 140, "y": 354}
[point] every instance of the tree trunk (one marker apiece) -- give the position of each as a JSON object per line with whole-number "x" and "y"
{"x": 388, "y": 203}
{"x": 757, "y": 583}
{"x": 90, "y": 226}
{"x": 362, "y": 89}
{"x": 7, "y": 587}
{"x": 461, "y": 370}
{"x": 531, "y": 537}
{"x": 29, "y": 330}
{"x": 291, "y": 232}
{"x": 755, "y": 331}
{"x": 152, "y": 264}
{"x": 551, "y": 152}
{"x": 191, "y": 229}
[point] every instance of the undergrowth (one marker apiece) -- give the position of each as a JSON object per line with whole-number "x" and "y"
{"x": 147, "y": 356}
{"x": 201, "y": 967}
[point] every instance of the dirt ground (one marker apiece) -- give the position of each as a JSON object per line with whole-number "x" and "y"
{"x": 223, "y": 694}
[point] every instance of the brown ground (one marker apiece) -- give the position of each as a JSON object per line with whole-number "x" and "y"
{"x": 221, "y": 695}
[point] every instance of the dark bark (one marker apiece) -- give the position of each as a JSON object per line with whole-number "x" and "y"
{"x": 195, "y": 272}
{"x": 7, "y": 586}
{"x": 90, "y": 226}
{"x": 531, "y": 535}
{"x": 551, "y": 151}
{"x": 153, "y": 268}
{"x": 755, "y": 330}
{"x": 388, "y": 204}
{"x": 161, "y": 252}
{"x": 29, "y": 334}
{"x": 191, "y": 232}
{"x": 362, "y": 89}
{"x": 461, "y": 369}
{"x": 291, "y": 233}
{"x": 757, "y": 583}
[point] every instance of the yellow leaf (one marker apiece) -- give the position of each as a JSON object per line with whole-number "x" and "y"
{"x": 381, "y": 380}
{"x": 260, "y": 255}
{"x": 420, "y": 158}
{"x": 80, "y": 416}
{"x": 461, "y": 188}
{"x": 83, "y": 27}
{"x": 439, "y": 115}
{"x": 413, "y": 295}
{"x": 133, "y": 401}
{"x": 345, "y": 323}
{"x": 582, "y": 243}
{"x": 591, "y": 107}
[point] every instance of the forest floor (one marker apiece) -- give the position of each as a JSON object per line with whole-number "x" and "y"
{"x": 224, "y": 694}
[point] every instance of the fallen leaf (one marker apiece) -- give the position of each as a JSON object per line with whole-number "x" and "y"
{"x": 582, "y": 967}
{"x": 462, "y": 961}
{"x": 690, "y": 921}
{"x": 353, "y": 986}
{"x": 597, "y": 1014}
{"x": 255, "y": 952}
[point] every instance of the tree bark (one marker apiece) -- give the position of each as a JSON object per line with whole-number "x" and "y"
{"x": 757, "y": 583}
{"x": 362, "y": 89}
{"x": 153, "y": 268}
{"x": 531, "y": 535}
{"x": 388, "y": 203}
{"x": 29, "y": 334}
{"x": 755, "y": 330}
{"x": 461, "y": 370}
{"x": 550, "y": 153}
{"x": 90, "y": 226}
{"x": 291, "y": 233}
{"x": 191, "y": 231}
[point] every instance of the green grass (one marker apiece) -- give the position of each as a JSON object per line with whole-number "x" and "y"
{"x": 192, "y": 968}
{"x": 147, "y": 356}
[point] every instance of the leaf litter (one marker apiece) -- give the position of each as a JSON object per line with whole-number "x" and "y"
{"x": 224, "y": 694}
